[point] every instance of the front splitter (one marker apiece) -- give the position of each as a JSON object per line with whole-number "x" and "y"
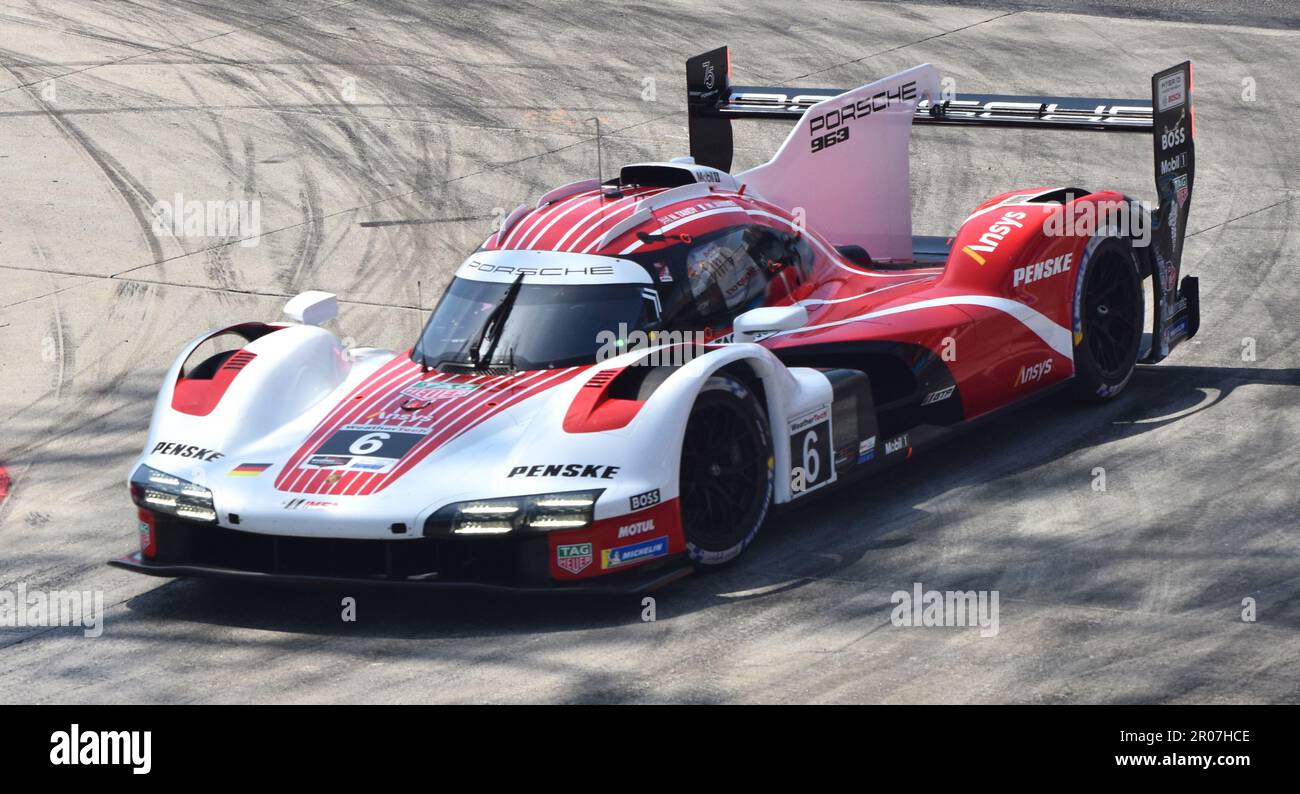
{"x": 627, "y": 583}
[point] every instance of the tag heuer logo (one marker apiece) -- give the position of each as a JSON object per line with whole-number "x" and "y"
{"x": 574, "y": 557}
{"x": 428, "y": 390}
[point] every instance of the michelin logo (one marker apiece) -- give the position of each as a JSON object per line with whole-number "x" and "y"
{"x": 637, "y": 552}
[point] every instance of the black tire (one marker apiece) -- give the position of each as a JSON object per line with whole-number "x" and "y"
{"x": 1109, "y": 316}
{"x": 726, "y": 472}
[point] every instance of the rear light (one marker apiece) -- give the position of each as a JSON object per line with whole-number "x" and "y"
{"x": 148, "y": 537}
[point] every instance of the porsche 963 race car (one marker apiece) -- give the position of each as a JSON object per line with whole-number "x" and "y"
{"x": 629, "y": 374}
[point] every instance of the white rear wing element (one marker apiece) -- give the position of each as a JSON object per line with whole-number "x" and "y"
{"x": 845, "y": 164}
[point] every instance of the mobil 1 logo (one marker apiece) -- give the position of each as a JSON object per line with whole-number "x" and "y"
{"x": 812, "y": 462}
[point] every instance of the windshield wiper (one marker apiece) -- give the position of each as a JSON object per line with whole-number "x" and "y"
{"x": 495, "y": 323}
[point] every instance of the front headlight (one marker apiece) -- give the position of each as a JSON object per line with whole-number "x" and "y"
{"x": 167, "y": 493}
{"x": 537, "y": 513}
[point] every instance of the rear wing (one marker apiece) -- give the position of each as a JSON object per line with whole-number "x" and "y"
{"x": 713, "y": 102}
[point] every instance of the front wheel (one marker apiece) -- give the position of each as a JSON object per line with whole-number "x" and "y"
{"x": 1109, "y": 316}
{"x": 726, "y": 472}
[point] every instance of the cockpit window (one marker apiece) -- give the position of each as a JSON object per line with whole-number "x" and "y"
{"x": 727, "y": 273}
{"x": 708, "y": 281}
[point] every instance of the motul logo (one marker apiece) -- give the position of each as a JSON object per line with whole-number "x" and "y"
{"x": 636, "y": 529}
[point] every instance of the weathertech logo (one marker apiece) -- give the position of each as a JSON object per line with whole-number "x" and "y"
{"x": 1033, "y": 373}
{"x": 998, "y": 232}
{"x": 97, "y": 748}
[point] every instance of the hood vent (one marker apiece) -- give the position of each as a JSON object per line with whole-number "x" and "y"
{"x": 239, "y": 360}
{"x": 600, "y": 379}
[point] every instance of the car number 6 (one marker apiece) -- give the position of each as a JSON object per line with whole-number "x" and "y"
{"x": 811, "y": 460}
{"x": 368, "y": 444}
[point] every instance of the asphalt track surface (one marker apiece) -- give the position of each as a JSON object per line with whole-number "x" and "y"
{"x": 382, "y": 139}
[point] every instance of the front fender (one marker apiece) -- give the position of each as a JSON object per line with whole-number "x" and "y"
{"x": 649, "y": 446}
{"x": 282, "y": 372}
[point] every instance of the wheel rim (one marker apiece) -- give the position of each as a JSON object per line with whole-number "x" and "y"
{"x": 1110, "y": 308}
{"x": 722, "y": 464}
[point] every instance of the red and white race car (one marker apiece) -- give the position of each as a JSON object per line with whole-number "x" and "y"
{"x": 628, "y": 375}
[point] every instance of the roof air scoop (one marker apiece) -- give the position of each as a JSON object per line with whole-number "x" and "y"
{"x": 675, "y": 174}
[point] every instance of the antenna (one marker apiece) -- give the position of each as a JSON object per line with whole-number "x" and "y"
{"x": 600, "y": 170}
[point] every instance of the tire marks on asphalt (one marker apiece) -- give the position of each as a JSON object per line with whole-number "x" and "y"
{"x": 134, "y": 195}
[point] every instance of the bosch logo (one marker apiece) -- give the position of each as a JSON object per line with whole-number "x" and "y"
{"x": 1171, "y": 91}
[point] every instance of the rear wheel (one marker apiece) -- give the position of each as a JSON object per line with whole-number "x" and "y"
{"x": 726, "y": 472}
{"x": 1108, "y": 326}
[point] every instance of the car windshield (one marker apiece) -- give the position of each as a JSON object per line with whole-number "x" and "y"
{"x": 544, "y": 309}
{"x": 542, "y": 327}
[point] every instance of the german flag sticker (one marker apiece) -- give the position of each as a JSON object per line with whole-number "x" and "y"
{"x": 249, "y": 469}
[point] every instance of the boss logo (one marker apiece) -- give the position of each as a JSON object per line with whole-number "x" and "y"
{"x": 1172, "y": 137}
{"x": 644, "y": 500}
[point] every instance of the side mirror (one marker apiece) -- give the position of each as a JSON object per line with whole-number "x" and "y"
{"x": 757, "y": 323}
{"x": 312, "y": 308}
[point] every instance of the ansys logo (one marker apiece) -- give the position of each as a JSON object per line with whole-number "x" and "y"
{"x": 102, "y": 748}
{"x": 989, "y": 240}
